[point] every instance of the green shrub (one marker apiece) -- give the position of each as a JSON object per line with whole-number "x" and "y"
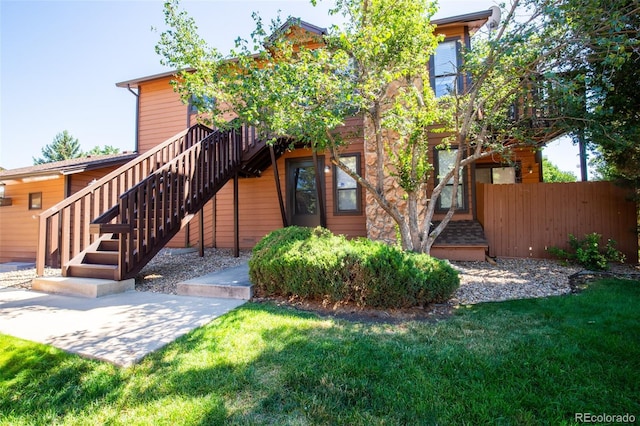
{"x": 315, "y": 264}
{"x": 587, "y": 252}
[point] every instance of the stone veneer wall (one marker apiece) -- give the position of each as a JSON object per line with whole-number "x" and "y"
{"x": 380, "y": 226}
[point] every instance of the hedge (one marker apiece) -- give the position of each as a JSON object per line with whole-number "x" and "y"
{"x": 314, "y": 264}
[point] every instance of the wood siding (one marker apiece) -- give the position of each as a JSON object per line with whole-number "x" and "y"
{"x": 80, "y": 181}
{"x": 259, "y": 211}
{"x": 525, "y": 220}
{"x": 18, "y": 224}
{"x": 162, "y": 114}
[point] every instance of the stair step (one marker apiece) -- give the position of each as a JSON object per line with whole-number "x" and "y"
{"x": 101, "y": 257}
{"x": 107, "y": 272}
{"x": 109, "y": 245}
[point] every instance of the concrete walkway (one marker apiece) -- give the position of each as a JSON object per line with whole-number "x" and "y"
{"x": 120, "y": 328}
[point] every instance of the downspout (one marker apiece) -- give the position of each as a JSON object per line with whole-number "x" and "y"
{"x": 137, "y": 95}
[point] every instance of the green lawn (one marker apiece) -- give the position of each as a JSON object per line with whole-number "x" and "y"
{"x": 520, "y": 362}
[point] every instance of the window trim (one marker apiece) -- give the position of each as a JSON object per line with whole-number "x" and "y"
{"x": 459, "y": 76}
{"x": 32, "y": 197}
{"x": 464, "y": 180}
{"x": 336, "y": 207}
{"x": 516, "y": 164}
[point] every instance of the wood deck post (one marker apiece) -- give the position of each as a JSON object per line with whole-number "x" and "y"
{"x": 201, "y": 233}
{"x": 276, "y": 175}
{"x": 236, "y": 218}
{"x": 319, "y": 186}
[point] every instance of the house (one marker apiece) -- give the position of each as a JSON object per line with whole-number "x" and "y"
{"x": 193, "y": 185}
{"x": 28, "y": 191}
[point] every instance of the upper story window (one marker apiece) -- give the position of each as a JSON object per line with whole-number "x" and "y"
{"x": 444, "y": 68}
{"x": 205, "y": 103}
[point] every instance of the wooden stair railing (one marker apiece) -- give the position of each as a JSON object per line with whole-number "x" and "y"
{"x": 63, "y": 230}
{"x": 152, "y": 212}
{"x": 157, "y": 208}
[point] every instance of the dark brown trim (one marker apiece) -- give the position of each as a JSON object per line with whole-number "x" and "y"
{"x": 236, "y": 218}
{"x": 67, "y": 185}
{"x": 336, "y": 207}
{"x": 201, "y": 233}
{"x": 319, "y": 174}
{"x": 459, "y": 77}
{"x": 214, "y": 208}
{"x": 467, "y": 46}
{"x": 276, "y": 176}
{"x": 517, "y": 164}
{"x": 474, "y": 201}
{"x": 33, "y": 195}
{"x": 463, "y": 178}
{"x": 468, "y": 17}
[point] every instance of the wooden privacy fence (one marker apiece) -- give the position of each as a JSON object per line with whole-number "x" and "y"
{"x": 524, "y": 220}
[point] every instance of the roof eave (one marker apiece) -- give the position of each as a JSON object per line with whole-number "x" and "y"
{"x": 468, "y": 17}
{"x": 133, "y": 84}
{"x": 68, "y": 170}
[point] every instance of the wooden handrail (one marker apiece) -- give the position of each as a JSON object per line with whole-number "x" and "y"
{"x": 63, "y": 230}
{"x": 156, "y": 208}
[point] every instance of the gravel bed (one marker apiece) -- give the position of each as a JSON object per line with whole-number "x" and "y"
{"x": 171, "y": 266}
{"x": 23, "y": 278}
{"x": 511, "y": 279}
{"x": 479, "y": 281}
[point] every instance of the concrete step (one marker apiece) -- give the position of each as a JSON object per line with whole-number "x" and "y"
{"x": 231, "y": 283}
{"x": 83, "y": 287}
{"x": 16, "y": 266}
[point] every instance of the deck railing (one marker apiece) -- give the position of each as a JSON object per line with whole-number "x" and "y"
{"x": 64, "y": 228}
{"x": 154, "y": 210}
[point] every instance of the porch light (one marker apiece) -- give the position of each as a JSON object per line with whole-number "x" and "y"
{"x": 327, "y": 169}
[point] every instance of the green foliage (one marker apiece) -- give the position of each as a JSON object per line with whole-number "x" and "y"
{"x": 105, "y": 150}
{"x": 63, "y": 147}
{"x": 315, "y": 264}
{"x": 605, "y": 63}
{"x": 492, "y": 363}
{"x": 551, "y": 173}
{"x": 588, "y": 252}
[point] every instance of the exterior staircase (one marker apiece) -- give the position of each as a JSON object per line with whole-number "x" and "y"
{"x": 113, "y": 228}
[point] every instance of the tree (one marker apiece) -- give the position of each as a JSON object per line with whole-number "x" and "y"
{"x": 551, "y": 172}
{"x": 105, "y": 150}
{"x": 63, "y": 147}
{"x": 377, "y": 66}
{"x": 607, "y": 63}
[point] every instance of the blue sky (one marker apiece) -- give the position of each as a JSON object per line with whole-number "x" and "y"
{"x": 60, "y": 61}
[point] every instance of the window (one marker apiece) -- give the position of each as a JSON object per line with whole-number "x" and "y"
{"x": 346, "y": 190}
{"x": 499, "y": 174}
{"x": 35, "y": 201}
{"x": 444, "y": 68}
{"x": 203, "y": 104}
{"x": 445, "y": 161}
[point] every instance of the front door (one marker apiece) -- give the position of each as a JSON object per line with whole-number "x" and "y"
{"x": 303, "y": 205}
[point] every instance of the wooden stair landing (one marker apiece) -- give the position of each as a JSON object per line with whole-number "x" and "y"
{"x": 461, "y": 240}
